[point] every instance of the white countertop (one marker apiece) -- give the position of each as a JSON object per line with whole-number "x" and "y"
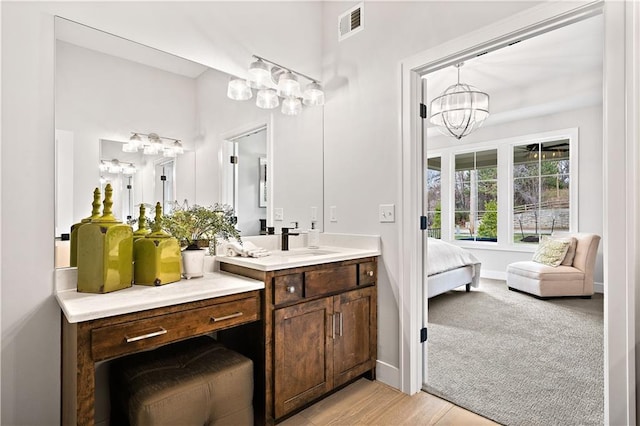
{"x": 78, "y": 307}
{"x": 297, "y": 257}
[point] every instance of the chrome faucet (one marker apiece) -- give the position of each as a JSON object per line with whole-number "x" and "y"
{"x": 285, "y": 238}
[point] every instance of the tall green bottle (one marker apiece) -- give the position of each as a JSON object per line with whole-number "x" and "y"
{"x": 105, "y": 252}
{"x": 95, "y": 213}
{"x": 157, "y": 256}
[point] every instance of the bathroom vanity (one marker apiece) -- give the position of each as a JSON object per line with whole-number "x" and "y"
{"x": 306, "y": 317}
{"x": 319, "y": 322}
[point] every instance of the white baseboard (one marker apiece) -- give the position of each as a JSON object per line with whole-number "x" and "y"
{"x": 493, "y": 275}
{"x": 388, "y": 374}
{"x": 598, "y": 287}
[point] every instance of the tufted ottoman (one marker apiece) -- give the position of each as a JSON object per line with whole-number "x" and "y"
{"x": 194, "y": 382}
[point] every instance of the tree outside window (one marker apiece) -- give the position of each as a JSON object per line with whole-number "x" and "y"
{"x": 476, "y": 196}
{"x": 541, "y": 193}
{"x": 434, "y": 198}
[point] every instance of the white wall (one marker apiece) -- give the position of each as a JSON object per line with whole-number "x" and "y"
{"x": 100, "y": 96}
{"x": 362, "y": 126}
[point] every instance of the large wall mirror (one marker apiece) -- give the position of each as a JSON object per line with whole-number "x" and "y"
{"x": 109, "y": 89}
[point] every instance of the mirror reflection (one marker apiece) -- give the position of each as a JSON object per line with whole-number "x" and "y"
{"x": 109, "y": 89}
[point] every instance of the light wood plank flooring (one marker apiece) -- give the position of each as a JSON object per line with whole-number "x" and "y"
{"x": 373, "y": 403}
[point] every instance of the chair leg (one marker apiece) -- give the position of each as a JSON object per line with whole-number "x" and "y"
{"x": 468, "y": 287}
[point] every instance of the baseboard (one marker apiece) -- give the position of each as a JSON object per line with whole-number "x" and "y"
{"x": 493, "y": 275}
{"x": 388, "y": 374}
{"x": 598, "y": 288}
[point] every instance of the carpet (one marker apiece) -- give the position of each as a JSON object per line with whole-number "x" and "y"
{"x": 515, "y": 359}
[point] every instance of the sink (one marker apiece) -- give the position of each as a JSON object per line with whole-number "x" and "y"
{"x": 303, "y": 252}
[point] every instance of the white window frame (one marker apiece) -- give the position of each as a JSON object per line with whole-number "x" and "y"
{"x": 504, "y": 148}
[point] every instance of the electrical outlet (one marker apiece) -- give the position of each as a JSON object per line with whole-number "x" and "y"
{"x": 278, "y": 214}
{"x": 387, "y": 213}
{"x": 314, "y": 214}
{"x": 333, "y": 215}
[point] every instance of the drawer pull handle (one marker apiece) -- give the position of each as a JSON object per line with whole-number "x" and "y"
{"x": 145, "y": 336}
{"x": 291, "y": 289}
{"x": 370, "y": 273}
{"x": 333, "y": 326}
{"x": 226, "y": 317}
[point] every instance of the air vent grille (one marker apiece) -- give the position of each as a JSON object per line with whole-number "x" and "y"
{"x": 350, "y": 22}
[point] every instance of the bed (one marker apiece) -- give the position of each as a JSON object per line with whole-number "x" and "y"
{"x": 449, "y": 267}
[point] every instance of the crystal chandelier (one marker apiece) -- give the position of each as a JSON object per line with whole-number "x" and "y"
{"x": 272, "y": 82}
{"x": 460, "y": 109}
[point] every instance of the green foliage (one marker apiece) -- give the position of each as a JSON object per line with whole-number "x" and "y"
{"x": 489, "y": 225}
{"x": 437, "y": 217}
{"x": 190, "y": 224}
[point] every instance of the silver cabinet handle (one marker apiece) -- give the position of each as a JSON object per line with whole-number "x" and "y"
{"x": 145, "y": 336}
{"x": 333, "y": 326}
{"x": 226, "y": 317}
{"x": 340, "y": 313}
{"x": 370, "y": 273}
{"x": 291, "y": 289}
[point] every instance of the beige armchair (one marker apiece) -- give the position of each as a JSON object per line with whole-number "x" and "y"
{"x": 564, "y": 280}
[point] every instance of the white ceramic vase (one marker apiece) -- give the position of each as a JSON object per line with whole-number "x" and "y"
{"x": 193, "y": 263}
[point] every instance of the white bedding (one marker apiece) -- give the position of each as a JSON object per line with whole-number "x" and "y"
{"x": 443, "y": 257}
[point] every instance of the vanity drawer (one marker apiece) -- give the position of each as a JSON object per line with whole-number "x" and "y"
{"x": 330, "y": 280}
{"x": 287, "y": 288}
{"x": 147, "y": 333}
{"x": 367, "y": 273}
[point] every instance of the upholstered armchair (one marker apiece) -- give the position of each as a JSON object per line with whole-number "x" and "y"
{"x": 570, "y": 278}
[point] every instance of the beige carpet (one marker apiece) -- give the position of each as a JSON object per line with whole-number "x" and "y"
{"x": 516, "y": 359}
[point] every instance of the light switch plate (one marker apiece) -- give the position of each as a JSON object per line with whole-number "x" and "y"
{"x": 314, "y": 214}
{"x": 333, "y": 215}
{"x": 278, "y": 213}
{"x": 387, "y": 212}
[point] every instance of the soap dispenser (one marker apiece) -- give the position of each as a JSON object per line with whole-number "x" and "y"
{"x": 313, "y": 237}
{"x": 95, "y": 213}
{"x": 105, "y": 252}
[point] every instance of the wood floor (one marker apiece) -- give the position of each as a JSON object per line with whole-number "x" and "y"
{"x": 373, "y": 403}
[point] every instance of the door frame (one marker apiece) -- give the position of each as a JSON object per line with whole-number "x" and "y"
{"x": 621, "y": 123}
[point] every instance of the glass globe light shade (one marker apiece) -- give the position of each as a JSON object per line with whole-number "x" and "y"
{"x": 291, "y": 106}
{"x": 238, "y": 89}
{"x": 259, "y": 73}
{"x": 267, "y": 99}
{"x": 313, "y": 94}
{"x": 114, "y": 166}
{"x": 178, "y": 148}
{"x": 129, "y": 147}
{"x": 288, "y": 84}
{"x": 128, "y": 169}
{"x": 459, "y": 110}
{"x": 168, "y": 152}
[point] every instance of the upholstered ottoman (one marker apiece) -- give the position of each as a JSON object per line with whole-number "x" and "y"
{"x": 194, "y": 382}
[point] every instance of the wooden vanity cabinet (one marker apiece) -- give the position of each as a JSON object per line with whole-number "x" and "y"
{"x": 320, "y": 330}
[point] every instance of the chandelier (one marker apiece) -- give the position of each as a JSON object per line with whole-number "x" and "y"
{"x": 153, "y": 145}
{"x": 460, "y": 109}
{"x": 273, "y": 82}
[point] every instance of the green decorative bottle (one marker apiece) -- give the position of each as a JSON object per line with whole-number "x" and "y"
{"x": 105, "y": 252}
{"x": 143, "y": 228}
{"x": 157, "y": 257}
{"x": 95, "y": 213}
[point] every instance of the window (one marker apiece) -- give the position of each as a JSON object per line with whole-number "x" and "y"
{"x": 476, "y": 196}
{"x": 434, "y": 197}
{"x": 541, "y": 196}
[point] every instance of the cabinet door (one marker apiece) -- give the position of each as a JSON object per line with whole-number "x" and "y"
{"x": 354, "y": 350}
{"x": 303, "y": 352}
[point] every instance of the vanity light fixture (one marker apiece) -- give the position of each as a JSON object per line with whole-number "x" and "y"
{"x": 272, "y": 82}
{"x": 153, "y": 145}
{"x": 460, "y": 109}
{"x": 116, "y": 166}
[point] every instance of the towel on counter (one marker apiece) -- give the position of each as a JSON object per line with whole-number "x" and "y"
{"x": 247, "y": 249}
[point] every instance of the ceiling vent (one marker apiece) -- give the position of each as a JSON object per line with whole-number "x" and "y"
{"x": 350, "y": 22}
